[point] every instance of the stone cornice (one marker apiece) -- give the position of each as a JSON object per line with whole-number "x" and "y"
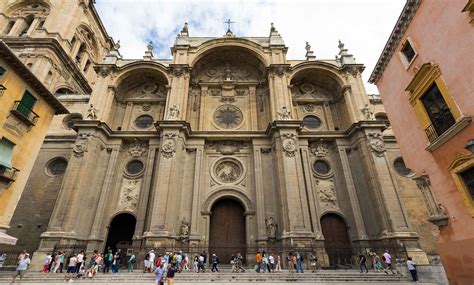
{"x": 398, "y": 31}
{"x": 55, "y": 46}
{"x": 25, "y": 73}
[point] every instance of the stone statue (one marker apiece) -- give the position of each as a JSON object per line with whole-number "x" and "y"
{"x": 367, "y": 112}
{"x": 92, "y": 112}
{"x": 308, "y": 46}
{"x": 271, "y": 227}
{"x": 184, "y": 228}
{"x": 173, "y": 113}
{"x": 284, "y": 113}
{"x": 228, "y": 73}
{"x": 117, "y": 45}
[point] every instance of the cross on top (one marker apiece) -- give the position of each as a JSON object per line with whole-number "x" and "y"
{"x": 228, "y": 22}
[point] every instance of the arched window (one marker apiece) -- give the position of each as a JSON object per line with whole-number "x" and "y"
{"x": 49, "y": 78}
{"x": 73, "y": 42}
{"x": 80, "y": 53}
{"x": 86, "y": 66}
{"x": 9, "y": 27}
{"x": 63, "y": 91}
{"x": 27, "y": 24}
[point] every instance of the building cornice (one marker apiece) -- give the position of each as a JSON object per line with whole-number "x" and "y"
{"x": 398, "y": 31}
{"x": 76, "y": 73}
{"x": 24, "y": 72}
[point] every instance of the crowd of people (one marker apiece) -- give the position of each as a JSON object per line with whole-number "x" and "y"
{"x": 164, "y": 266}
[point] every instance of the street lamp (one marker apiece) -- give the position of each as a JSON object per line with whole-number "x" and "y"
{"x": 470, "y": 146}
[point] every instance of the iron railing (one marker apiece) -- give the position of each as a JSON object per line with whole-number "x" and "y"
{"x": 8, "y": 174}
{"x": 24, "y": 113}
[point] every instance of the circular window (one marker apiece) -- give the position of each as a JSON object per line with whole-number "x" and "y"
{"x": 321, "y": 167}
{"x": 57, "y": 166}
{"x": 228, "y": 170}
{"x": 134, "y": 167}
{"x": 401, "y": 168}
{"x": 312, "y": 122}
{"x": 68, "y": 121}
{"x": 228, "y": 117}
{"x": 144, "y": 121}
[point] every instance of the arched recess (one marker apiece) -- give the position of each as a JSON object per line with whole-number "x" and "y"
{"x": 121, "y": 229}
{"x": 25, "y": 12}
{"x": 233, "y": 75}
{"x": 336, "y": 239}
{"x": 140, "y": 90}
{"x": 318, "y": 90}
{"x": 226, "y": 192}
{"x": 64, "y": 90}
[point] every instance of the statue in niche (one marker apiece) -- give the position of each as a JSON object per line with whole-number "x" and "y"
{"x": 184, "y": 228}
{"x": 228, "y": 73}
{"x": 367, "y": 112}
{"x": 92, "y": 112}
{"x": 271, "y": 227}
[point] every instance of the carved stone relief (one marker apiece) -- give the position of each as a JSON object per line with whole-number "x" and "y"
{"x": 129, "y": 194}
{"x": 227, "y": 147}
{"x": 289, "y": 144}
{"x": 376, "y": 144}
{"x": 228, "y": 170}
{"x": 173, "y": 113}
{"x": 137, "y": 148}
{"x": 228, "y": 117}
{"x": 284, "y": 113}
{"x": 327, "y": 193}
{"x": 271, "y": 227}
{"x": 168, "y": 148}
{"x": 81, "y": 144}
{"x": 319, "y": 149}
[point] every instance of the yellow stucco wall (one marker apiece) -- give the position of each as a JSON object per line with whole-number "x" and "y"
{"x": 27, "y": 142}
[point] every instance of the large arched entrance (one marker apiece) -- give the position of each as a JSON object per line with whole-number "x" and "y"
{"x": 336, "y": 239}
{"x": 227, "y": 230}
{"x": 121, "y": 232}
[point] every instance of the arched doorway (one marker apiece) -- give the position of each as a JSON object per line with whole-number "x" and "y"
{"x": 121, "y": 232}
{"x": 336, "y": 239}
{"x": 227, "y": 230}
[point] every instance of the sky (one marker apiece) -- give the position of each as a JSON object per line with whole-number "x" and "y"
{"x": 362, "y": 25}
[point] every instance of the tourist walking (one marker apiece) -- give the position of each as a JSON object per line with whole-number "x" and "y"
{"x": 57, "y": 261}
{"x": 258, "y": 259}
{"x": 299, "y": 263}
{"x": 388, "y": 261}
{"x": 47, "y": 261}
{"x": 278, "y": 263}
{"x": 412, "y": 267}
{"x": 377, "y": 263}
{"x": 195, "y": 264}
{"x": 159, "y": 275}
{"x": 215, "y": 261}
{"x": 362, "y": 261}
{"x": 202, "y": 263}
{"x": 80, "y": 260}
{"x": 116, "y": 262}
{"x": 151, "y": 260}
{"x": 291, "y": 266}
{"x": 22, "y": 267}
{"x": 313, "y": 261}
{"x": 271, "y": 262}
{"x": 108, "y": 261}
{"x": 71, "y": 267}
{"x": 131, "y": 261}
{"x": 3, "y": 257}
{"x": 170, "y": 274}
{"x": 61, "y": 264}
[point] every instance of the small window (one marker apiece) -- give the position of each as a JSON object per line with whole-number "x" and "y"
{"x": 321, "y": 167}
{"x": 144, "y": 121}
{"x": 468, "y": 179}
{"x": 312, "y": 122}
{"x": 401, "y": 168}
{"x": 134, "y": 167}
{"x": 41, "y": 24}
{"x": 2, "y": 70}
{"x": 408, "y": 51}
{"x": 438, "y": 111}
{"x": 6, "y": 153}
{"x": 57, "y": 166}
{"x": 9, "y": 27}
{"x": 26, "y": 104}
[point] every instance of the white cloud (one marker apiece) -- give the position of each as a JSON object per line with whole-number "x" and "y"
{"x": 363, "y": 25}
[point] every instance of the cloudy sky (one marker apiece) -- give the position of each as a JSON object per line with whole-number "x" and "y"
{"x": 363, "y": 25}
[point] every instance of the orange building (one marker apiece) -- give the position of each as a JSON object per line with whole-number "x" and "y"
{"x": 425, "y": 78}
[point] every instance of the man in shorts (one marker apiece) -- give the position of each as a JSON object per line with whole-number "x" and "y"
{"x": 71, "y": 267}
{"x": 22, "y": 267}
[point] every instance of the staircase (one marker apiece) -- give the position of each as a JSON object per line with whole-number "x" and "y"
{"x": 332, "y": 277}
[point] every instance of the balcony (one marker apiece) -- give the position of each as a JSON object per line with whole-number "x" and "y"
{"x": 24, "y": 113}
{"x": 7, "y": 174}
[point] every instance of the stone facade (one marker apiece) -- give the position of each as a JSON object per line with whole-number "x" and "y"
{"x": 162, "y": 140}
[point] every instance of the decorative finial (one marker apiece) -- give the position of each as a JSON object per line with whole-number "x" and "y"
{"x": 150, "y": 46}
{"x": 184, "y": 31}
{"x": 185, "y": 28}
{"x": 229, "y": 32}
{"x": 117, "y": 45}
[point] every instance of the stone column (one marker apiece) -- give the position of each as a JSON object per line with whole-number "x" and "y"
{"x": 196, "y": 199}
{"x": 259, "y": 193}
{"x": 176, "y": 103}
{"x": 145, "y": 191}
{"x": 352, "y": 193}
{"x": 296, "y": 224}
{"x": 279, "y": 98}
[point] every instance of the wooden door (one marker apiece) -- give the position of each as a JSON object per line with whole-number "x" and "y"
{"x": 336, "y": 239}
{"x": 227, "y": 230}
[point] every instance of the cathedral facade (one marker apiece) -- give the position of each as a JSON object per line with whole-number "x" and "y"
{"x": 228, "y": 146}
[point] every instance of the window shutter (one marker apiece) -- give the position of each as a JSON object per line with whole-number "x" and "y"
{"x": 6, "y": 151}
{"x": 26, "y": 104}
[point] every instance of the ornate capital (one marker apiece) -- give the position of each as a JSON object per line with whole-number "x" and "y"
{"x": 179, "y": 69}
{"x": 104, "y": 70}
{"x": 279, "y": 69}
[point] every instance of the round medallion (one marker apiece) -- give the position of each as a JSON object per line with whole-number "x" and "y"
{"x": 57, "y": 166}
{"x": 307, "y": 88}
{"x": 68, "y": 121}
{"x": 228, "y": 170}
{"x": 149, "y": 87}
{"x": 228, "y": 117}
{"x": 289, "y": 145}
{"x": 401, "y": 168}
